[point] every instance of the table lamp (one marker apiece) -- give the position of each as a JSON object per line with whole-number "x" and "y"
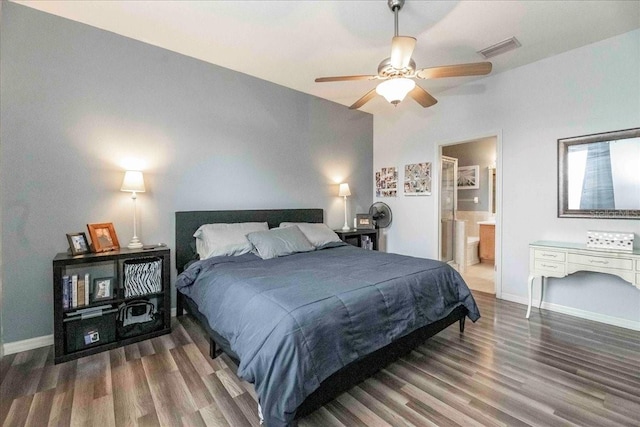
{"x": 134, "y": 183}
{"x": 344, "y": 192}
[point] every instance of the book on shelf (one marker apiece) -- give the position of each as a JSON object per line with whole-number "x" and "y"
{"x": 65, "y": 292}
{"x": 87, "y": 286}
{"x": 364, "y": 240}
{"x": 80, "y": 292}
{"x": 74, "y": 291}
{"x": 366, "y": 243}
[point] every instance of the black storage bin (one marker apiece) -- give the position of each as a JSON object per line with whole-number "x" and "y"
{"x": 86, "y": 333}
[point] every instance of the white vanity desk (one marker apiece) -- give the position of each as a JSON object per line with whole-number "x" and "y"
{"x": 559, "y": 259}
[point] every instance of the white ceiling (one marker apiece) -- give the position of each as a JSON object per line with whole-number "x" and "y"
{"x": 293, "y": 42}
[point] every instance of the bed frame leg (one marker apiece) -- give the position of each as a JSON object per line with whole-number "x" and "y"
{"x": 179, "y": 304}
{"x": 462, "y": 324}
{"x": 212, "y": 348}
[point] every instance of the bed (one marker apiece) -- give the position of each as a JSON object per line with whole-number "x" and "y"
{"x": 267, "y": 315}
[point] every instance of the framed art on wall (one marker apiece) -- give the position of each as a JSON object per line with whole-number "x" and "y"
{"x": 417, "y": 179}
{"x": 387, "y": 182}
{"x": 469, "y": 177}
{"x": 103, "y": 237}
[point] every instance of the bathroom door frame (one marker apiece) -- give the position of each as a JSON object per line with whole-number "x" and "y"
{"x": 498, "y": 238}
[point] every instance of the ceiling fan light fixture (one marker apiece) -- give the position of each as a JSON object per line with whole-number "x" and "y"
{"x": 395, "y": 90}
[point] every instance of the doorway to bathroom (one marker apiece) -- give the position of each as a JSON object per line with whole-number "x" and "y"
{"x": 469, "y": 211}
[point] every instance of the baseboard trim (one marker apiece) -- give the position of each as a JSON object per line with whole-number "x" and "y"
{"x": 28, "y": 344}
{"x": 583, "y": 314}
{"x": 37, "y": 342}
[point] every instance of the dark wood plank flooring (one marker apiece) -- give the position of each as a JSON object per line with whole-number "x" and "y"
{"x": 553, "y": 370}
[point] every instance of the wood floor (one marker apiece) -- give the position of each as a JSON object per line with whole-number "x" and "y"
{"x": 553, "y": 370}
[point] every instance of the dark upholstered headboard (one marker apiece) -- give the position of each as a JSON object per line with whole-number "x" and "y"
{"x": 188, "y": 222}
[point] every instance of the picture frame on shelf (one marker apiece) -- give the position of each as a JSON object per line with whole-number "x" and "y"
{"x": 103, "y": 237}
{"x": 364, "y": 222}
{"x": 469, "y": 177}
{"x": 102, "y": 289}
{"x": 78, "y": 243}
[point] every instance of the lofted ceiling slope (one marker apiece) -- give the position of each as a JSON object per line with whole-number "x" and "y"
{"x": 293, "y": 42}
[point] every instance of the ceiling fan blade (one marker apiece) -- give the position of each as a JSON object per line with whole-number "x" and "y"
{"x": 360, "y": 102}
{"x": 401, "y": 51}
{"x": 344, "y": 78}
{"x": 474, "y": 69}
{"x": 422, "y": 97}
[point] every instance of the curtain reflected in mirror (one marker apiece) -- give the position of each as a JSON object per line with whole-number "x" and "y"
{"x": 600, "y": 175}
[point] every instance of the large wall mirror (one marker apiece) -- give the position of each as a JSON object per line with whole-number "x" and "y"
{"x": 599, "y": 175}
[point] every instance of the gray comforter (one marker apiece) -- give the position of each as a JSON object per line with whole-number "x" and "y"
{"x": 295, "y": 320}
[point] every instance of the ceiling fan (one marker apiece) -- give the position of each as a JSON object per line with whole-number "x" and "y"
{"x": 397, "y": 71}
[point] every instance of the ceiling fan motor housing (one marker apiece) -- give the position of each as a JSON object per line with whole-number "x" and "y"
{"x": 386, "y": 70}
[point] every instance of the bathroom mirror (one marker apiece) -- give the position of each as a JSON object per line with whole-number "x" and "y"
{"x": 599, "y": 175}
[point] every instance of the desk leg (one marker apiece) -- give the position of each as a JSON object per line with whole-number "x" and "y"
{"x": 541, "y": 291}
{"x": 531, "y": 277}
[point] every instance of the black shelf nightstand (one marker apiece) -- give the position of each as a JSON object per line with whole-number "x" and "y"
{"x": 97, "y": 314}
{"x": 354, "y": 236}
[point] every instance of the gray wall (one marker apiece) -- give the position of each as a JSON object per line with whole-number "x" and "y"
{"x": 483, "y": 154}
{"x": 80, "y": 105}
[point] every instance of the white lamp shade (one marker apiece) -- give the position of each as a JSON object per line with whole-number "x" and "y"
{"x": 344, "y": 190}
{"x": 394, "y": 90}
{"x": 133, "y": 182}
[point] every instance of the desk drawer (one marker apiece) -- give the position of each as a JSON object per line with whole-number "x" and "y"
{"x": 549, "y": 255}
{"x": 602, "y": 262}
{"x": 545, "y": 267}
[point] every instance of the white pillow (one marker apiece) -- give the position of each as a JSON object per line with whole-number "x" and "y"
{"x": 279, "y": 242}
{"x": 317, "y": 233}
{"x": 226, "y": 239}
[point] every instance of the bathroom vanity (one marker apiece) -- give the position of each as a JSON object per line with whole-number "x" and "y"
{"x": 487, "y": 241}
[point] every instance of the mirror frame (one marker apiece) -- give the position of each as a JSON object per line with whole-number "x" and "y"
{"x": 563, "y": 199}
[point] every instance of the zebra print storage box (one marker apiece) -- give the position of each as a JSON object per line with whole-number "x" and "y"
{"x": 142, "y": 276}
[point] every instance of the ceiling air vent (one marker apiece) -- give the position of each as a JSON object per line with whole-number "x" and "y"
{"x": 500, "y": 48}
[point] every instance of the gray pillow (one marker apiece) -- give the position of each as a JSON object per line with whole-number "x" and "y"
{"x": 279, "y": 242}
{"x": 226, "y": 239}
{"x": 318, "y": 233}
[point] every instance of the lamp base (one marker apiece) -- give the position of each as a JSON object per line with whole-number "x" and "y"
{"x": 135, "y": 243}
{"x": 346, "y": 228}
